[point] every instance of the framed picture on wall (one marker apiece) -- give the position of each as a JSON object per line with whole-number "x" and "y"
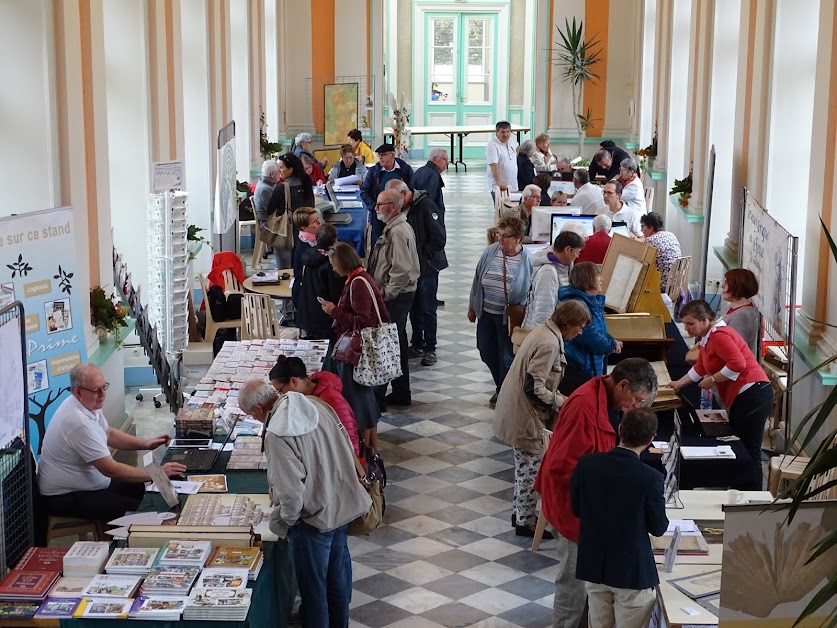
{"x": 341, "y": 111}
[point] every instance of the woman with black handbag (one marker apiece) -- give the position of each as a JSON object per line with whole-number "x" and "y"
{"x": 355, "y": 311}
{"x": 293, "y": 192}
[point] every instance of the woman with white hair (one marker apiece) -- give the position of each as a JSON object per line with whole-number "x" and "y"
{"x": 633, "y": 192}
{"x": 525, "y": 167}
{"x": 303, "y": 145}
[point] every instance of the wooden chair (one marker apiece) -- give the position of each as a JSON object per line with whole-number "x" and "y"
{"x": 258, "y": 247}
{"x": 58, "y": 527}
{"x": 783, "y": 470}
{"x": 541, "y": 526}
{"x": 212, "y": 326}
{"x": 649, "y": 199}
{"x": 258, "y": 317}
{"x": 231, "y": 283}
{"x": 678, "y": 277}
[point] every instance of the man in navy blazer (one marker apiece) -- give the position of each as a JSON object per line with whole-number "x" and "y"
{"x": 619, "y": 501}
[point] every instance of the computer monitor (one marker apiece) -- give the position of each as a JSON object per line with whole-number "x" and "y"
{"x": 332, "y": 196}
{"x": 559, "y": 220}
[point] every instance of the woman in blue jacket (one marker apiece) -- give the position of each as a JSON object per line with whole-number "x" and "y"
{"x": 503, "y": 275}
{"x": 587, "y": 353}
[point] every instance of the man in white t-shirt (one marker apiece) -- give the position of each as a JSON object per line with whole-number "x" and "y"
{"x": 501, "y": 157}
{"x": 77, "y": 475}
{"x": 618, "y": 211}
{"x": 588, "y": 197}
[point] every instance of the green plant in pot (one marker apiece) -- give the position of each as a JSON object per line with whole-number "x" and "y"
{"x": 105, "y": 316}
{"x": 195, "y": 241}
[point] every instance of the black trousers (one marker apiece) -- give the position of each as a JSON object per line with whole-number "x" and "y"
{"x": 398, "y": 309}
{"x": 747, "y": 415}
{"x": 103, "y": 505}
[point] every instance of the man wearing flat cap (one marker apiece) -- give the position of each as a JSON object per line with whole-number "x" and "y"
{"x": 388, "y": 168}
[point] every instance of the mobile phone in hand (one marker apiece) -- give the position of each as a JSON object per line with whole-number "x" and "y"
{"x": 321, "y": 300}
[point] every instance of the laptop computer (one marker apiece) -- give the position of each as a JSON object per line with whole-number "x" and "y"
{"x": 703, "y": 420}
{"x": 333, "y": 215}
{"x": 197, "y": 458}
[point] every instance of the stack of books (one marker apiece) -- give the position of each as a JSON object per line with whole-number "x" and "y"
{"x": 86, "y": 558}
{"x": 250, "y": 558}
{"x": 70, "y": 586}
{"x": 200, "y": 419}
{"x": 103, "y": 608}
{"x": 132, "y": 560}
{"x": 218, "y": 604}
{"x": 27, "y": 586}
{"x": 223, "y": 578}
{"x": 158, "y": 608}
{"x": 169, "y": 581}
{"x": 112, "y": 586}
{"x": 184, "y": 553}
{"x": 58, "y": 608}
{"x": 247, "y": 454}
{"x": 42, "y": 559}
{"x": 18, "y": 610}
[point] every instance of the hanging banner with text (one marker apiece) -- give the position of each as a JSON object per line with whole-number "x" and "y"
{"x": 38, "y": 267}
{"x": 225, "y": 209}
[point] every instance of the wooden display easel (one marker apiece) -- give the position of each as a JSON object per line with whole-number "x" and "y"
{"x": 645, "y": 295}
{"x": 644, "y": 332}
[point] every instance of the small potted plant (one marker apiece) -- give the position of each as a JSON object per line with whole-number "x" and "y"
{"x": 105, "y": 315}
{"x": 649, "y": 153}
{"x": 195, "y": 241}
{"x": 683, "y": 189}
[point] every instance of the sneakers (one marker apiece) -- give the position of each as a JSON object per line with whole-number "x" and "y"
{"x": 493, "y": 401}
{"x": 429, "y": 358}
{"x": 415, "y": 352}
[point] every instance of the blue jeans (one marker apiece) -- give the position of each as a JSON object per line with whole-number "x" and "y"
{"x": 423, "y": 313}
{"x": 494, "y": 345}
{"x": 324, "y": 574}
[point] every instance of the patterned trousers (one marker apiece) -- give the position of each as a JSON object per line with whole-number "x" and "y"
{"x": 526, "y": 465}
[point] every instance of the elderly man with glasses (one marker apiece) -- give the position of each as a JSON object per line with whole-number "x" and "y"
{"x": 77, "y": 474}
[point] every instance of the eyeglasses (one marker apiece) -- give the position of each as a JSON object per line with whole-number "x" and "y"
{"x": 283, "y": 388}
{"x": 384, "y": 204}
{"x": 97, "y": 391}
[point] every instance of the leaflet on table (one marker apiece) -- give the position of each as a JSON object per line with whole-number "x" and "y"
{"x": 161, "y": 480}
{"x": 708, "y": 453}
{"x": 182, "y": 487}
{"x": 351, "y": 204}
{"x": 144, "y": 518}
{"x": 687, "y": 527}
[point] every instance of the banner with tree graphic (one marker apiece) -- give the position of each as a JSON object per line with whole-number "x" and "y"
{"x": 38, "y": 264}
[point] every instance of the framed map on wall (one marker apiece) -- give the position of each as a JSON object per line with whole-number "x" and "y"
{"x": 340, "y": 107}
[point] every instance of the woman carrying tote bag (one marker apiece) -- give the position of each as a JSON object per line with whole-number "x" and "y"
{"x": 356, "y": 311}
{"x": 293, "y": 192}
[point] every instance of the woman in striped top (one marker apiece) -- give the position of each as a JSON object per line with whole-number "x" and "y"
{"x": 503, "y": 275}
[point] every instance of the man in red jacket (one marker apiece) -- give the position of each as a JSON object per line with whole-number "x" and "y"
{"x": 595, "y": 247}
{"x": 587, "y": 423}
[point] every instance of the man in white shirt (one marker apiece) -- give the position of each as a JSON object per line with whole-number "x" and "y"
{"x": 77, "y": 475}
{"x": 501, "y": 158}
{"x": 618, "y": 211}
{"x": 588, "y": 197}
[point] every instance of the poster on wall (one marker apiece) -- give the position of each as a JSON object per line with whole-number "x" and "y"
{"x": 340, "y": 105}
{"x": 764, "y": 248}
{"x": 766, "y": 578}
{"x": 39, "y": 266}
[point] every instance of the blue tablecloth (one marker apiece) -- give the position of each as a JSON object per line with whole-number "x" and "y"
{"x": 355, "y": 231}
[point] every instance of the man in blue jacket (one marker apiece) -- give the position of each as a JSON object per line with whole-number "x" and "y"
{"x": 388, "y": 168}
{"x": 616, "y": 561}
{"x": 429, "y": 178}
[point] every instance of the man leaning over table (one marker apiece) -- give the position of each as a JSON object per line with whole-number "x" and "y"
{"x": 502, "y": 159}
{"x": 617, "y": 562}
{"x": 77, "y": 475}
{"x": 315, "y": 493}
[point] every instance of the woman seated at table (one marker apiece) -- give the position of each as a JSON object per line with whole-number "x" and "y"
{"x": 348, "y": 165}
{"x": 301, "y": 195}
{"x": 543, "y": 181}
{"x": 558, "y": 199}
{"x": 502, "y": 278}
{"x": 587, "y": 353}
{"x": 303, "y": 144}
{"x": 633, "y": 192}
{"x": 363, "y": 151}
{"x": 313, "y": 276}
{"x": 290, "y": 375}
{"x": 542, "y": 158}
{"x": 726, "y": 363}
{"x": 666, "y": 243}
{"x": 551, "y": 271}
{"x": 356, "y": 310}
{"x": 525, "y": 167}
{"x": 528, "y": 401}
{"x": 313, "y": 170}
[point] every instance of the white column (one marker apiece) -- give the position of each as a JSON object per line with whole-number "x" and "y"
{"x": 644, "y": 94}
{"x": 240, "y": 34}
{"x": 273, "y": 67}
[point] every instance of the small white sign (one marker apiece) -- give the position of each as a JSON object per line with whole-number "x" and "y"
{"x": 167, "y": 175}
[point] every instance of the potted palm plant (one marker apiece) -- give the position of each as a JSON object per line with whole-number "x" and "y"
{"x": 577, "y": 57}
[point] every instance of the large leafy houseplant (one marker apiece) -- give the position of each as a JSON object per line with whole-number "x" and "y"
{"x": 577, "y": 57}
{"x": 105, "y": 316}
{"x": 823, "y": 464}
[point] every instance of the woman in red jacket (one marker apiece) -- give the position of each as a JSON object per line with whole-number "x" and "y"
{"x": 356, "y": 310}
{"x": 725, "y": 362}
{"x": 290, "y": 375}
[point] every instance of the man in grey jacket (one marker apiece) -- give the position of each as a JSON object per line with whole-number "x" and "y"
{"x": 264, "y": 190}
{"x": 315, "y": 494}
{"x": 395, "y": 267}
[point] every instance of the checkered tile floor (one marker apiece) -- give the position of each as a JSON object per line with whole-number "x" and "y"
{"x": 446, "y": 554}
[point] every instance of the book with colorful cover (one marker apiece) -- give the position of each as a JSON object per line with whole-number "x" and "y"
{"x": 111, "y": 585}
{"x": 103, "y": 608}
{"x": 158, "y": 606}
{"x": 42, "y": 559}
{"x": 58, "y": 607}
{"x": 132, "y": 560}
{"x": 69, "y": 586}
{"x": 27, "y": 585}
{"x": 18, "y": 610}
{"x": 223, "y": 578}
{"x": 220, "y": 598}
{"x": 225, "y": 556}
{"x": 185, "y": 552}
{"x": 170, "y": 580}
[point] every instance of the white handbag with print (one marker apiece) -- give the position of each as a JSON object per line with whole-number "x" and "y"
{"x": 380, "y": 355}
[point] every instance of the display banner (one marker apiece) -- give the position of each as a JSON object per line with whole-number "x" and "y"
{"x": 226, "y": 196}
{"x": 38, "y": 267}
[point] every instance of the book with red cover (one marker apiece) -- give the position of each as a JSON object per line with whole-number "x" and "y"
{"x": 42, "y": 559}
{"x": 27, "y": 585}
